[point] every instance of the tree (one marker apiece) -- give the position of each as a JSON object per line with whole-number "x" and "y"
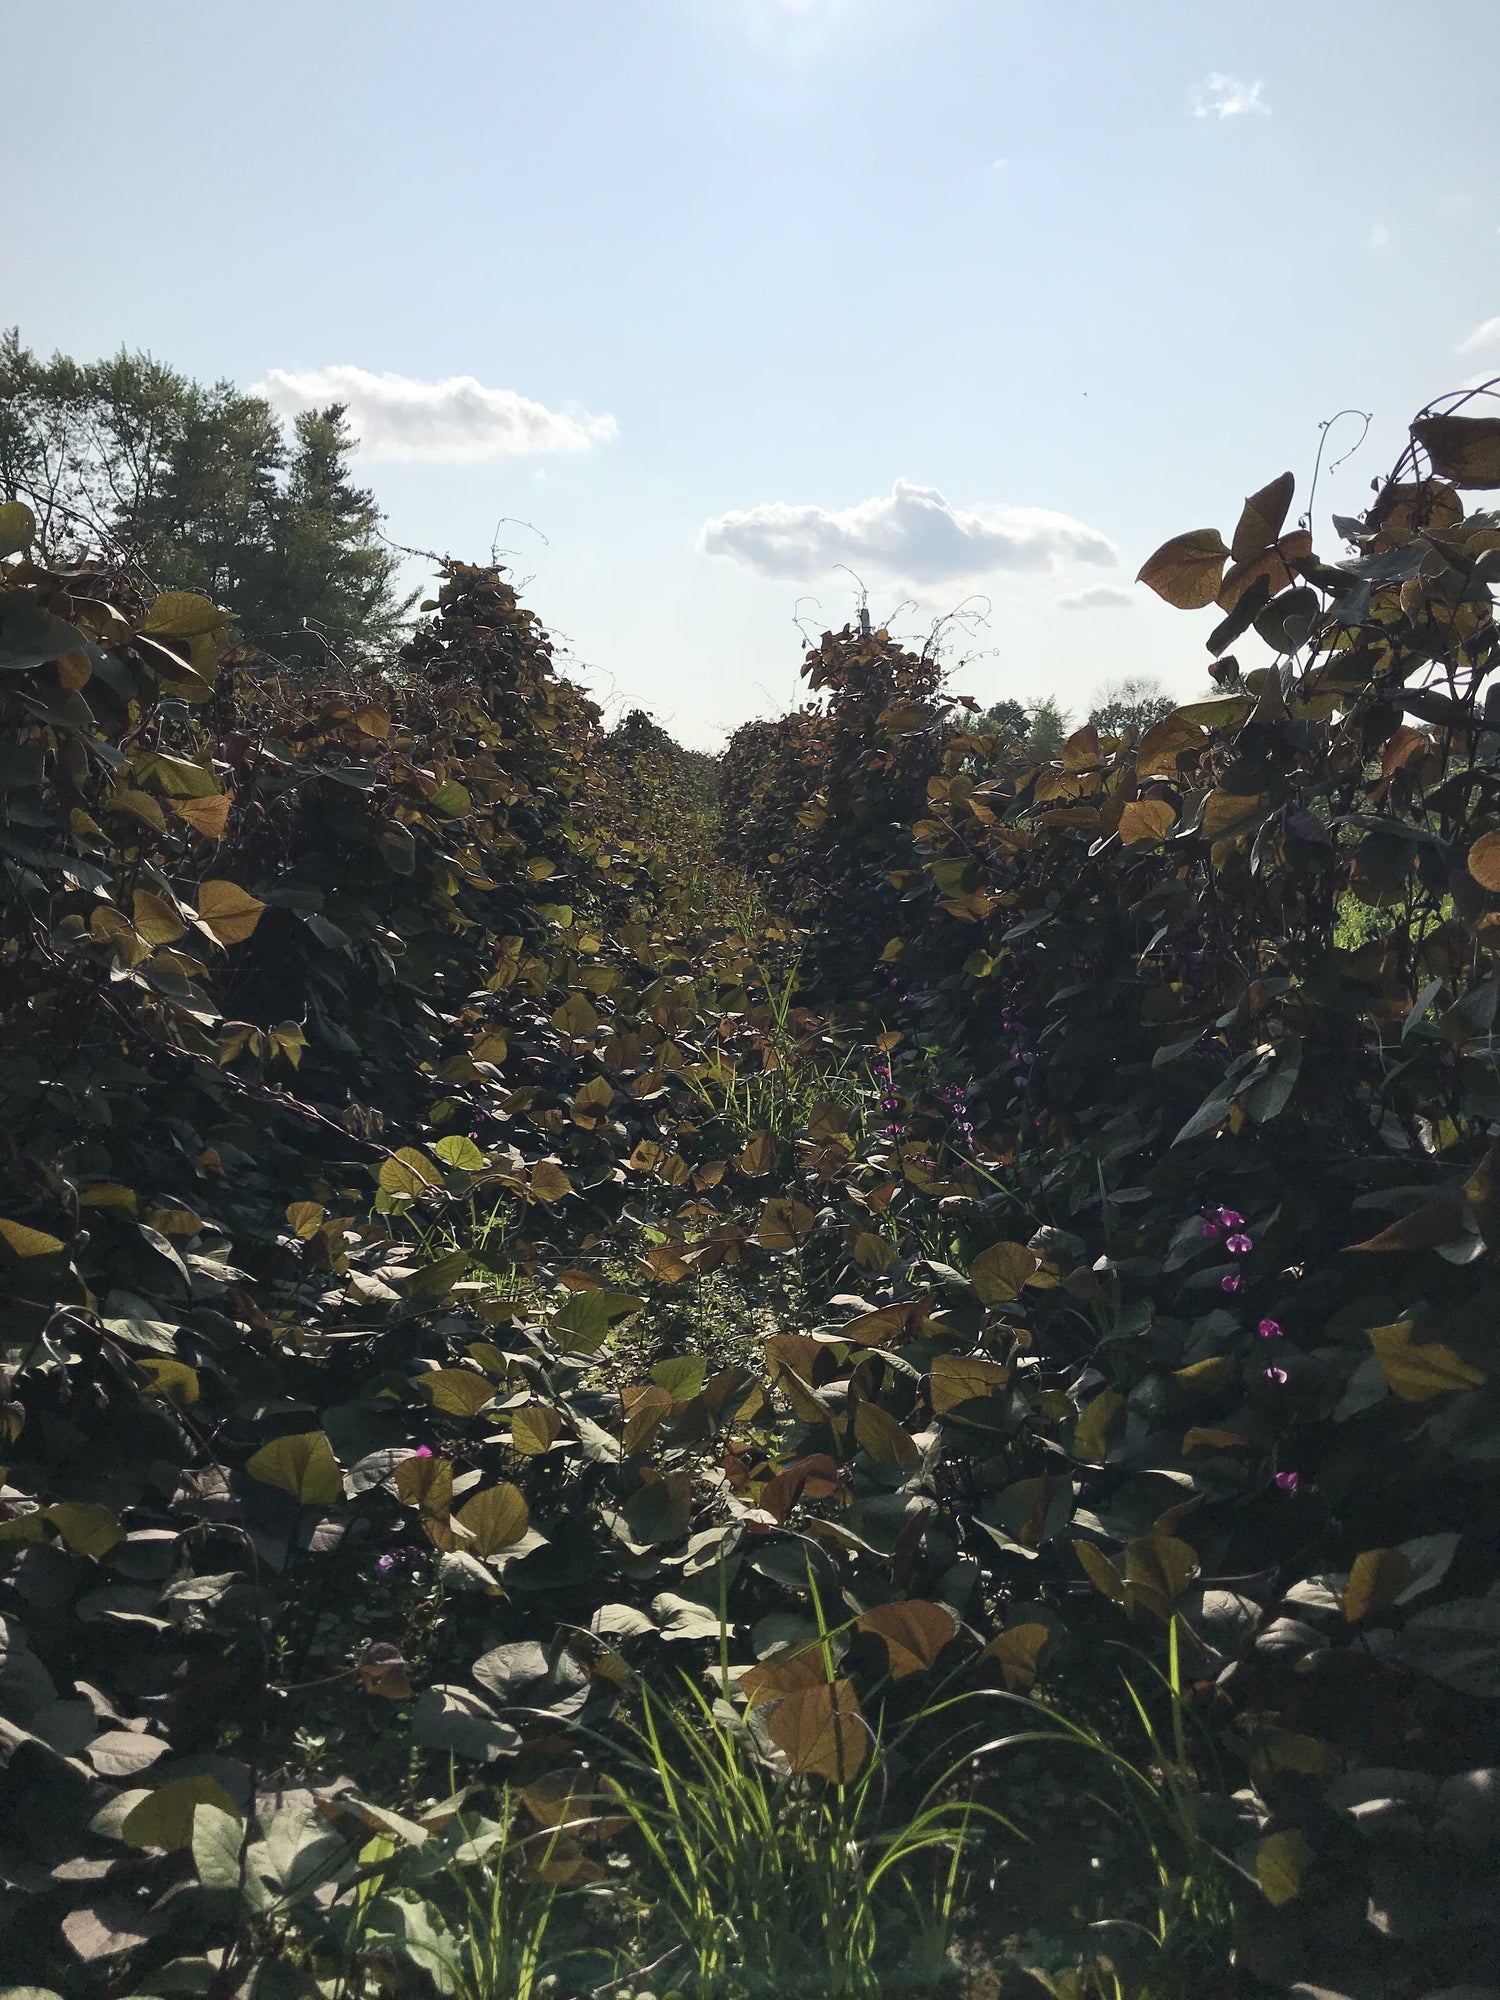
{"x": 1049, "y": 725}
{"x": 1136, "y": 702}
{"x": 198, "y": 487}
{"x": 1001, "y": 718}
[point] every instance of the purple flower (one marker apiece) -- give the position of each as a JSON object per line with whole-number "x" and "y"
{"x": 1277, "y": 1375}
{"x": 1231, "y": 1218}
{"x": 1287, "y": 1481}
{"x": 1210, "y": 1229}
{"x": 1239, "y": 1245}
{"x": 1269, "y": 1329}
{"x": 1231, "y": 1282}
{"x": 386, "y": 1564}
{"x": 423, "y": 1451}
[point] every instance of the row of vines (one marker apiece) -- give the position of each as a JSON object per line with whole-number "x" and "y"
{"x": 477, "y": 1258}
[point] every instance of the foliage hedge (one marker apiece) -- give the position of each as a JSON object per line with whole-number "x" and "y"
{"x": 388, "y": 1085}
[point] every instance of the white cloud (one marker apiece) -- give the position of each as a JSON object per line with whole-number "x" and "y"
{"x": 1379, "y": 236}
{"x": 911, "y": 535}
{"x": 1220, "y": 96}
{"x": 1100, "y": 597}
{"x": 1485, "y": 335}
{"x": 455, "y": 420}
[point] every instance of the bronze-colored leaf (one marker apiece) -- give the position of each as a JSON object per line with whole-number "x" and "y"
{"x": 1463, "y": 449}
{"x": 823, "y": 1731}
{"x": 1146, "y": 822}
{"x": 1484, "y": 862}
{"x": 1261, "y": 521}
{"x": 1017, "y": 1652}
{"x": 913, "y": 1632}
{"x": 1187, "y": 570}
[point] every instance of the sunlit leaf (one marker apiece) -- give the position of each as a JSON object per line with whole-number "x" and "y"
{"x": 914, "y": 1633}
{"x": 303, "y": 1466}
{"x": 822, "y": 1731}
{"x": 1187, "y": 570}
{"x": 230, "y": 912}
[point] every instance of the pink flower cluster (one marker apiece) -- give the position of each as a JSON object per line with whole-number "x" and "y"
{"x": 1229, "y": 1224}
{"x": 889, "y": 1097}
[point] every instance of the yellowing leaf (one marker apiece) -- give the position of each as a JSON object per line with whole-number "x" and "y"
{"x": 230, "y": 912}
{"x": 1198, "y": 1439}
{"x": 86, "y": 1527}
{"x": 458, "y": 1392}
{"x": 535, "y": 1429}
{"x": 302, "y": 1465}
{"x": 183, "y": 614}
{"x": 963, "y": 1378}
{"x": 407, "y": 1172}
{"x": 164, "y": 1818}
{"x": 784, "y": 1224}
{"x": 27, "y": 1242}
{"x": 17, "y": 527}
{"x": 1204, "y": 1378}
{"x": 1261, "y": 521}
{"x": 426, "y": 1483}
{"x": 1146, "y": 822}
{"x": 496, "y": 1518}
{"x": 878, "y": 1433}
{"x": 108, "y": 1194}
{"x": 1417, "y": 1374}
{"x": 576, "y": 1018}
{"x": 173, "y": 1381}
{"x": 1017, "y": 1652}
{"x": 305, "y": 1218}
{"x": 913, "y": 1632}
{"x": 1376, "y": 1579}
{"x": 1187, "y": 570}
{"x": 1102, "y": 1572}
{"x": 548, "y": 1183}
{"x": 1281, "y": 1864}
{"x": 1096, "y": 1428}
{"x": 997, "y": 1274}
{"x": 822, "y": 1731}
{"x": 208, "y": 816}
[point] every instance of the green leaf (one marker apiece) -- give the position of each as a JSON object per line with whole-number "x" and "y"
{"x": 587, "y": 1318}
{"x": 452, "y": 800}
{"x": 682, "y": 1376}
{"x": 217, "y": 1838}
{"x": 457, "y": 1151}
{"x": 398, "y": 847}
{"x": 303, "y": 1466}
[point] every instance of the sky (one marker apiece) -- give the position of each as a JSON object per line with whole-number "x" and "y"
{"x": 692, "y": 308}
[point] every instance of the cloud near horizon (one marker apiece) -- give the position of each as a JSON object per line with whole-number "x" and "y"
{"x": 910, "y": 535}
{"x": 1099, "y": 597}
{"x": 454, "y": 421}
{"x": 1220, "y": 96}
{"x": 1487, "y": 334}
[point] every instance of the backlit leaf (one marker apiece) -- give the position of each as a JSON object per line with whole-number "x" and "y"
{"x": 1376, "y": 1579}
{"x": 1463, "y": 449}
{"x": 303, "y": 1466}
{"x": 1017, "y": 1652}
{"x": 822, "y": 1731}
{"x": 230, "y": 912}
{"x": 1187, "y": 570}
{"x": 495, "y": 1518}
{"x": 999, "y": 1273}
{"x": 24, "y": 1241}
{"x": 913, "y": 1632}
{"x": 1281, "y": 1864}
{"x": 1417, "y": 1374}
{"x": 164, "y": 1818}
{"x": 457, "y": 1392}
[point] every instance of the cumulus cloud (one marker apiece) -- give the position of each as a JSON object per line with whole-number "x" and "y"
{"x": 1220, "y": 96}
{"x": 1100, "y": 597}
{"x": 1485, "y": 335}
{"x": 457, "y": 419}
{"x": 910, "y": 535}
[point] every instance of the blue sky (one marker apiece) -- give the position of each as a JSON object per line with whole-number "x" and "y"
{"x": 984, "y": 300}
